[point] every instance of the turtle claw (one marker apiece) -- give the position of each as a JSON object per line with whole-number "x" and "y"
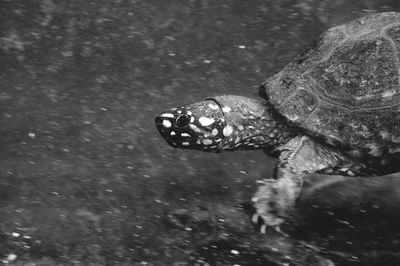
{"x": 263, "y": 229}
{"x": 276, "y": 228}
{"x": 257, "y": 220}
{"x": 254, "y": 218}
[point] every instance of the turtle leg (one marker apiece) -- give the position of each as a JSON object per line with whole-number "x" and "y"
{"x": 276, "y": 197}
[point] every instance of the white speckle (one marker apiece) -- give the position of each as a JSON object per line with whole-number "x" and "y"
{"x": 185, "y": 135}
{"x": 188, "y": 229}
{"x": 237, "y": 140}
{"x": 166, "y": 123}
{"x": 293, "y": 117}
{"x": 213, "y": 106}
{"x": 226, "y": 109}
{"x": 194, "y": 128}
{"x": 350, "y": 173}
{"x": 67, "y": 53}
{"x": 205, "y": 121}
{"x": 14, "y": 234}
{"x": 388, "y": 94}
{"x": 206, "y": 61}
{"x": 240, "y": 127}
{"x": 207, "y": 141}
{"x": 191, "y": 119}
{"x": 235, "y": 252}
{"x": 189, "y": 113}
{"x": 214, "y": 132}
{"x": 241, "y": 46}
{"x": 227, "y": 131}
{"x": 11, "y": 257}
{"x": 169, "y": 115}
{"x": 185, "y": 143}
{"x": 173, "y": 133}
{"x": 385, "y": 134}
{"x": 31, "y": 135}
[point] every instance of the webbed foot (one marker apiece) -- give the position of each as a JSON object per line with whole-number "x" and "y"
{"x": 265, "y": 204}
{"x": 273, "y": 202}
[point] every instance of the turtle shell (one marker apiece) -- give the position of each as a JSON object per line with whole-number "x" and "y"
{"x": 345, "y": 86}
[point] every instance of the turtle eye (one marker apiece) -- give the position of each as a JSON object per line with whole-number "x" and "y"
{"x": 182, "y": 121}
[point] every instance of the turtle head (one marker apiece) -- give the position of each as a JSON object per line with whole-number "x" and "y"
{"x": 196, "y": 126}
{"x": 217, "y": 124}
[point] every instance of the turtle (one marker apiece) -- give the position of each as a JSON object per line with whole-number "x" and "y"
{"x": 334, "y": 109}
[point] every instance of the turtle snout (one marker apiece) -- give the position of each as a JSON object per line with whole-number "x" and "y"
{"x": 164, "y": 123}
{"x": 174, "y": 128}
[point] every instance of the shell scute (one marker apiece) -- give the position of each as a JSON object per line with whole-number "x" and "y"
{"x": 281, "y": 80}
{"x": 358, "y": 74}
{"x": 301, "y": 105}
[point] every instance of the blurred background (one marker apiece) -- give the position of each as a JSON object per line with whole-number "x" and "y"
{"x": 85, "y": 178}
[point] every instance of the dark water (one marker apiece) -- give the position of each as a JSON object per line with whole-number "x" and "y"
{"x": 85, "y": 179}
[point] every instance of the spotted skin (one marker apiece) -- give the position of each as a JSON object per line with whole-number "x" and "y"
{"x": 223, "y": 123}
